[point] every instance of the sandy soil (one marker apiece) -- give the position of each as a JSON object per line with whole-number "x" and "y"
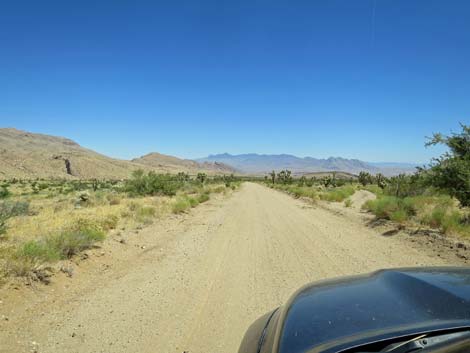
{"x": 194, "y": 283}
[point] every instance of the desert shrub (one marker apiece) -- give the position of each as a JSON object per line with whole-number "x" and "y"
{"x": 400, "y": 215}
{"x": 19, "y": 266}
{"x": 4, "y": 192}
{"x": 108, "y": 222}
{"x": 62, "y": 245}
{"x": 302, "y": 192}
{"x": 181, "y": 204}
{"x": 338, "y": 194}
{"x": 146, "y": 211}
{"x": 3, "y": 227}
{"x": 113, "y": 199}
{"x": 71, "y": 242}
{"x": 219, "y": 189}
{"x": 193, "y": 201}
{"x": 42, "y": 186}
{"x": 145, "y": 214}
{"x": 392, "y": 208}
{"x": 153, "y": 184}
{"x": 133, "y": 206}
{"x": 38, "y": 250}
{"x": 447, "y": 219}
{"x": 10, "y": 209}
{"x": 435, "y": 218}
{"x": 347, "y": 203}
{"x": 203, "y": 197}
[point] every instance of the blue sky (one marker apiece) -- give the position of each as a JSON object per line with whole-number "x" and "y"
{"x": 363, "y": 79}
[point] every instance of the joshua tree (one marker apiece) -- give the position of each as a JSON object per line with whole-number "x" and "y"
{"x": 285, "y": 176}
{"x": 380, "y": 180}
{"x": 273, "y": 176}
{"x": 201, "y": 177}
{"x": 365, "y": 178}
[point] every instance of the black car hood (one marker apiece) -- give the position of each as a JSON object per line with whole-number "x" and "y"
{"x": 334, "y": 315}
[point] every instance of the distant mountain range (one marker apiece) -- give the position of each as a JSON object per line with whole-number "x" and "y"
{"x": 29, "y": 155}
{"x": 253, "y": 163}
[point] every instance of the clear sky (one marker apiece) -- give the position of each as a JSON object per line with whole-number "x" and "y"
{"x": 363, "y": 79}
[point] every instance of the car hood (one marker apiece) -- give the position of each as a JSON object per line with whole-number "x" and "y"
{"x": 334, "y": 315}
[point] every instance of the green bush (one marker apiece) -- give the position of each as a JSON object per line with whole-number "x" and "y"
{"x": 180, "y": 205}
{"x": 219, "y": 189}
{"x": 72, "y": 242}
{"x": 375, "y": 189}
{"x": 303, "y": 191}
{"x": 451, "y": 172}
{"x": 4, "y": 192}
{"x": 145, "y": 214}
{"x": 38, "y": 250}
{"x": 153, "y": 184}
{"x": 392, "y": 208}
{"x": 60, "y": 246}
{"x": 109, "y": 222}
{"x": 10, "y": 209}
{"x": 338, "y": 194}
{"x": 446, "y": 219}
{"x": 193, "y": 201}
{"x": 203, "y": 198}
{"x": 14, "y": 208}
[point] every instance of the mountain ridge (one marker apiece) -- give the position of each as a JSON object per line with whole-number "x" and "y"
{"x": 254, "y": 163}
{"x": 25, "y": 154}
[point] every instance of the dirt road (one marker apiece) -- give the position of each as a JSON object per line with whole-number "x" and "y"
{"x": 200, "y": 280}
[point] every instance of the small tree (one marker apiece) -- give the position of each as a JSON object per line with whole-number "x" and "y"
{"x": 94, "y": 184}
{"x": 451, "y": 171}
{"x": 201, "y": 177}
{"x": 284, "y": 176}
{"x": 380, "y": 180}
{"x": 310, "y": 182}
{"x": 183, "y": 177}
{"x": 273, "y": 176}
{"x": 365, "y": 178}
{"x": 302, "y": 180}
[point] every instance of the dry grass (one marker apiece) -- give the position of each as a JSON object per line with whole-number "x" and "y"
{"x": 58, "y": 225}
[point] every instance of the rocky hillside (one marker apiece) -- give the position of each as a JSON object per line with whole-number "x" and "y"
{"x": 30, "y": 155}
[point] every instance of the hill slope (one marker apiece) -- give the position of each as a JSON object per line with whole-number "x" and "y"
{"x": 172, "y": 164}
{"x": 261, "y": 163}
{"x": 30, "y": 155}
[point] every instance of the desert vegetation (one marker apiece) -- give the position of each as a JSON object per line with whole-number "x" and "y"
{"x": 46, "y": 220}
{"x": 436, "y": 196}
{"x": 329, "y": 188}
